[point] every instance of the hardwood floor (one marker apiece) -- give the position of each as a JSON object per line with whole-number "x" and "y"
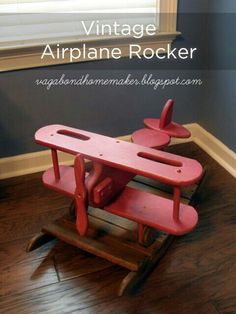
{"x": 197, "y": 274}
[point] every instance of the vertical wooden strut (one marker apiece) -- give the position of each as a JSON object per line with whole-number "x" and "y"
{"x": 81, "y": 196}
{"x": 177, "y": 193}
{"x": 140, "y": 233}
{"x": 55, "y": 164}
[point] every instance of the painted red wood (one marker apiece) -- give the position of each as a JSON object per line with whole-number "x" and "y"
{"x": 151, "y": 138}
{"x": 154, "y": 211}
{"x": 165, "y": 123}
{"x": 142, "y": 207}
{"x": 167, "y": 113}
{"x": 66, "y": 185}
{"x": 80, "y": 196}
{"x": 165, "y": 167}
{"x": 104, "y": 183}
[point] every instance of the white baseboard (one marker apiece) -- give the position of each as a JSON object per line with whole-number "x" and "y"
{"x": 215, "y": 148}
{"x": 39, "y": 161}
{"x": 34, "y": 162}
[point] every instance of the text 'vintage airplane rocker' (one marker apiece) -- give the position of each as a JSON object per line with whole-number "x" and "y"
{"x": 116, "y": 217}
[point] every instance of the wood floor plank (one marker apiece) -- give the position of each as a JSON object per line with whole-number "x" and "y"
{"x": 21, "y": 227}
{"x": 14, "y": 252}
{"x": 225, "y": 305}
{"x": 68, "y": 296}
{"x": 144, "y": 306}
{"x": 32, "y": 203}
{"x": 26, "y": 276}
{"x": 73, "y": 262}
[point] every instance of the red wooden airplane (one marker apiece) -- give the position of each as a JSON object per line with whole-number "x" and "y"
{"x": 114, "y": 164}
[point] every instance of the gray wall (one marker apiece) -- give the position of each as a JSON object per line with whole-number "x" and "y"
{"x": 219, "y": 111}
{"x": 108, "y": 110}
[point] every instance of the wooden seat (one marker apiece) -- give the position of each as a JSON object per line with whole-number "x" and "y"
{"x": 151, "y": 138}
{"x": 165, "y": 123}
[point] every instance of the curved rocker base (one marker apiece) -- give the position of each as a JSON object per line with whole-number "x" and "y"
{"x": 38, "y": 240}
{"x": 119, "y": 249}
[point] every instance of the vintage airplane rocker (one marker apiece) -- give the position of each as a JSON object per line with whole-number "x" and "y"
{"x": 115, "y": 217}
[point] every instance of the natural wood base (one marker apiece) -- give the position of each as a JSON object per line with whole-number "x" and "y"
{"x": 133, "y": 279}
{"x": 121, "y": 250}
{"x": 115, "y": 239}
{"x": 38, "y": 240}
